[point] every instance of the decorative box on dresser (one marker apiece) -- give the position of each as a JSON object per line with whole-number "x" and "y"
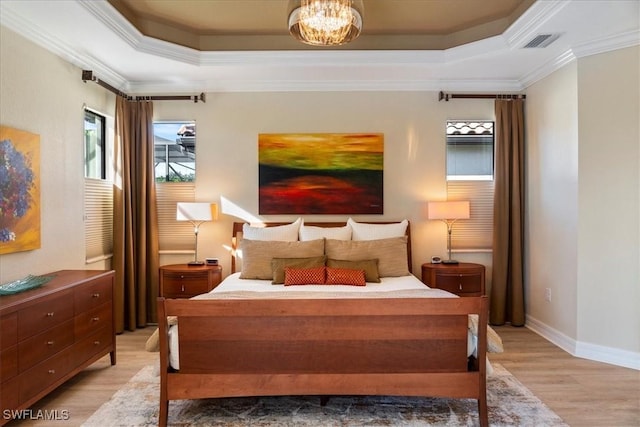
{"x": 465, "y": 279}
{"x": 49, "y": 334}
{"x": 186, "y": 281}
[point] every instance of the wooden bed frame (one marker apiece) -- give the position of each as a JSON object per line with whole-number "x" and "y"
{"x": 402, "y": 347}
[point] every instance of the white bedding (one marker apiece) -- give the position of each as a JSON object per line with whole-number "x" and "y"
{"x": 393, "y": 287}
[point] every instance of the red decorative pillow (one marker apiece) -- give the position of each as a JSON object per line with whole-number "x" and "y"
{"x": 345, "y": 276}
{"x": 303, "y": 276}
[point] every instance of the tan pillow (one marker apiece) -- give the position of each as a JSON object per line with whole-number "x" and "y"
{"x": 391, "y": 253}
{"x": 369, "y": 266}
{"x": 278, "y": 265}
{"x": 257, "y": 255}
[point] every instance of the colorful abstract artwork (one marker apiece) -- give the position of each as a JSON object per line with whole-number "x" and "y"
{"x": 321, "y": 173}
{"x": 19, "y": 190}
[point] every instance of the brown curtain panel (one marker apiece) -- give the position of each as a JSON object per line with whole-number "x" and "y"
{"x": 135, "y": 251}
{"x": 507, "y": 287}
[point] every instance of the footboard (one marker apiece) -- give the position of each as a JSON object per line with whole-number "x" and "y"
{"x": 407, "y": 347}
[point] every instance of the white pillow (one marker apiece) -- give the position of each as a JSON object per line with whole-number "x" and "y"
{"x": 362, "y": 231}
{"x": 283, "y": 233}
{"x": 308, "y": 232}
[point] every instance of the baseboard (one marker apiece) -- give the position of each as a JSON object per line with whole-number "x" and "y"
{"x": 598, "y": 353}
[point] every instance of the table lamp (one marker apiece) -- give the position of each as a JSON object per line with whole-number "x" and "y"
{"x": 196, "y": 214}
{"x": 448, "y": 212}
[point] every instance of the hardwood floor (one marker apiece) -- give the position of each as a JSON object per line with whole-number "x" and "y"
{"x": 582, "y": 392}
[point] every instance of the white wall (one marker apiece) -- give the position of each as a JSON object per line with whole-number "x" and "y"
{"x": 609, "y": 202}
{"x": 45, "y": 95}
{"x": 552, "y": 200}
{"x": 583, "y": 224}
{"x": 413, "y": 124}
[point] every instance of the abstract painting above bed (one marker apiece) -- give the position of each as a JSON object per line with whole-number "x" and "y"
{"x": 321, "y": 173}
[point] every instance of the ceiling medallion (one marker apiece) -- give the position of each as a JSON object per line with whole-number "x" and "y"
{"x": 325, "y": 22}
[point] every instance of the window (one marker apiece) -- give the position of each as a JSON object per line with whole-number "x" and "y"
{"x": 94, "y": 149}
{"x": 175, "y": 151}
{"x": 175, "y": 172}
{"x": 470, "y": 166}
{"x": 98, "y": 189}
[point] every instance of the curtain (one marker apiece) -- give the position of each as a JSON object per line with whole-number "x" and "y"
{"x": 507, "y": 288}
{"x": 135, "y": 251}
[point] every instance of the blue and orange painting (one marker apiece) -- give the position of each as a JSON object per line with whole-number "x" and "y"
{"x": 321, "y": 173}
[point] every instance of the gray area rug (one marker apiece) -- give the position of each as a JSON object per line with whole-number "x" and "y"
{"x": 510, "y": 404}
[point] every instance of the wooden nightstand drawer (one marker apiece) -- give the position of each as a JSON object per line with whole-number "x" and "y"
{"x": 184, "y": 281}
{"x": 185, "y": 287}
{"x": 459, "y": 283}
{"x": 464, "y": 279}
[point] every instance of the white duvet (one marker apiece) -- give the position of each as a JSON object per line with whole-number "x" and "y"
{"x": 233, "y": 287}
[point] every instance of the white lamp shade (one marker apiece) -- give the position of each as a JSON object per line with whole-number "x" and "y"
{"x": 196, "y": 211}
{"x": 448, "y": 210}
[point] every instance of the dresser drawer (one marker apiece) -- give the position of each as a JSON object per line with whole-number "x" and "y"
{"x": 459, "y": 283}
{"x": 10, "y": 394}
{"x": 8, "y": 363}
{"x": 94, "y": 344}
{"x": 46, "y": 373}
{"x": 9, "y": 330}
{"x": 94, "y": 294}
{"x": 94, "y": 319}
{"x": 45, "y": 315}
{"x": 44, "y": 345}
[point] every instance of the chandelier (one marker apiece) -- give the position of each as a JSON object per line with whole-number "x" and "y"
{"x": 325, "y": 22}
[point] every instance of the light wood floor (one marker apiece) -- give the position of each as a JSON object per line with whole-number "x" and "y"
{"x": 582, "y": 392}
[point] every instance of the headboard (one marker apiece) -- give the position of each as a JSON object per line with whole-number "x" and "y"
{"x": 237, "y": 234}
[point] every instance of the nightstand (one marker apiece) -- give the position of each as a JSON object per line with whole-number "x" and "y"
{"x": 185, "y": 281}
{"x": 465, "y": 279}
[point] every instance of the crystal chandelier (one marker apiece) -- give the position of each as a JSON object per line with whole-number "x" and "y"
{"x": 325, "y": 22}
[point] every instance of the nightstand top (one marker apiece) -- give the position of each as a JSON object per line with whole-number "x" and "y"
{"x": 186, "y": 267}
{"x": 453, "y": 266}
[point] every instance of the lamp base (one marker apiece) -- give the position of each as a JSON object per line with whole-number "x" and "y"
{"x": 195, "y": 263}
{"x": 449, "y": 261}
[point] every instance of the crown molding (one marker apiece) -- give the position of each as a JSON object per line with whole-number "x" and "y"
{"x": 607, "y": 44}
{"x": 380, "y": 62}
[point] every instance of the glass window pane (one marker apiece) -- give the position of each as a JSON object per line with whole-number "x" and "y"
{"x": 175, "y": 151}
{"x": 94, "y": 148}
{"x": 469, "y": 150}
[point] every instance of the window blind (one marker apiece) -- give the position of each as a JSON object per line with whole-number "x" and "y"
{"x": 98, "y": 217}
{"x": 174, "y": 235}
{"x": 477, "y": 231}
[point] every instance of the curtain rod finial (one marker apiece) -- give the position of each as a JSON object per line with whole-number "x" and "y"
{"x": 200, "y": 97}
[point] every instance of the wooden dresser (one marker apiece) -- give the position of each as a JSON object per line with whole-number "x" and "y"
{"x": 49, "y": 334}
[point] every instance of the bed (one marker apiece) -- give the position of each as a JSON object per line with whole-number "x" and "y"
{"x": 391, "y": 337}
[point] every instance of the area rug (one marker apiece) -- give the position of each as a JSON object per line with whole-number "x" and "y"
{"x": 510, "y": 404}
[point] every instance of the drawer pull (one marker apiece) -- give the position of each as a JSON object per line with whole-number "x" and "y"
{"x": 182, "y": 288}
{"x": 460, "y": 286}
{"x": 96, "y": 295}
{"x": 182, "y": 276}
{"x": 96, "y": 343}
{"x": 51, "y": 371}
{"x": 95, "y": 319}
{"x": 49, "y": 342}
{"x": 50, "y": 314}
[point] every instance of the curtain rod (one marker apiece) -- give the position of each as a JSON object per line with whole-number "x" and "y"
{"x": 87, "y": 75}
{"x": 448, "y": 96}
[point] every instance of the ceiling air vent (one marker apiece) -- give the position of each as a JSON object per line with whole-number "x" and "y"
{"x": 541, "y": 40}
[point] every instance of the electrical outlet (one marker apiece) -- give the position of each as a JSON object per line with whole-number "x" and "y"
{"x": 547, "y": 294}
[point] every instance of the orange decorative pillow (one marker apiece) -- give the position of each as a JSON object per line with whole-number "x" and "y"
{"x": 345, "y": 276}
{"x": 303, "y": 276}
